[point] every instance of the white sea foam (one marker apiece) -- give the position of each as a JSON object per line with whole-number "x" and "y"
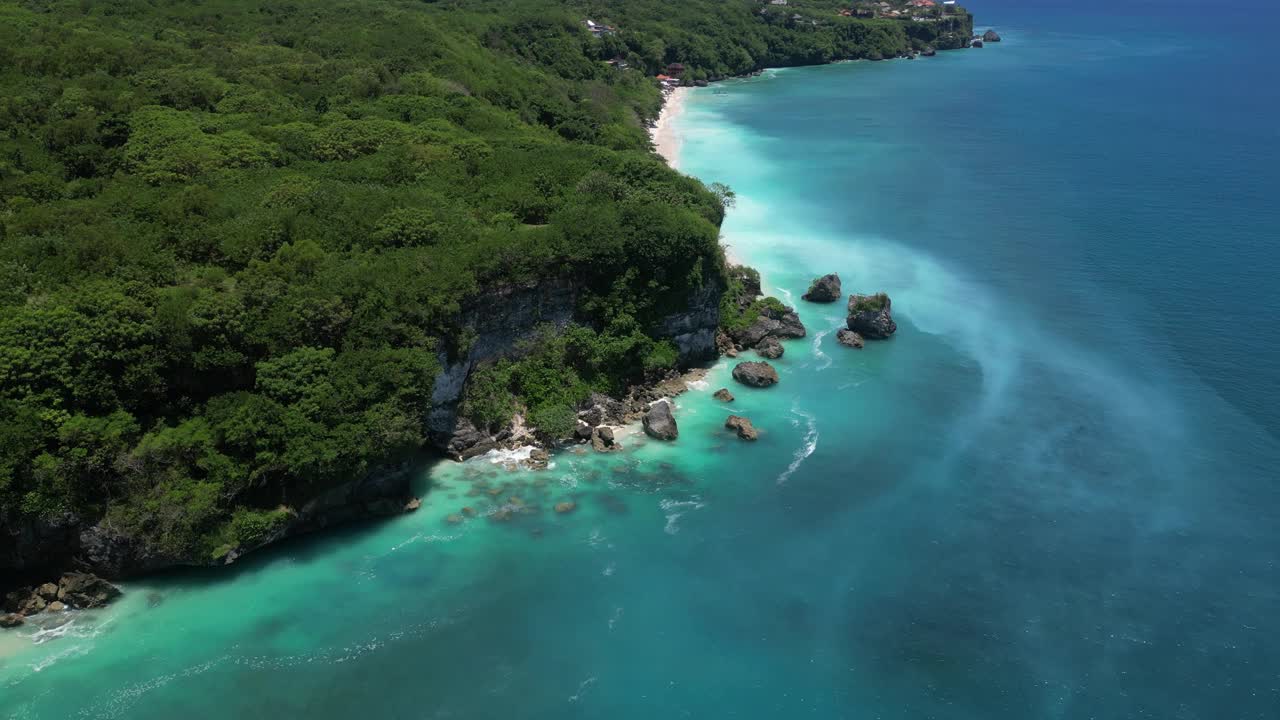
{"x": 504, "y": 456}
{"x": 675, "y": 509}
{"x": 824, "y": 360}
{"x": 582, "y": 689}
{"x": 806, "y": 449}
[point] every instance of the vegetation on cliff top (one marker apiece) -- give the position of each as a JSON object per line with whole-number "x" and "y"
{"x": 235, "y": 237}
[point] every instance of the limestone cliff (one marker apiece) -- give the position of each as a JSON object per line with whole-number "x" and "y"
{"x": 498, "y": 324}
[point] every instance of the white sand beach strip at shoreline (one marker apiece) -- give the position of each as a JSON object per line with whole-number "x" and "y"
{"x": 665, "y": 139}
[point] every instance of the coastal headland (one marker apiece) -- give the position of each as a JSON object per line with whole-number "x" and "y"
{"x": 284, "y": 395}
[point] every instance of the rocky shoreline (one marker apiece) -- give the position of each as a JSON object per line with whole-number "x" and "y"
{"x": 72, "y": 591}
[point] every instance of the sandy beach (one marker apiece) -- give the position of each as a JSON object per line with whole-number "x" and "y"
{"x": 665, "y": 139}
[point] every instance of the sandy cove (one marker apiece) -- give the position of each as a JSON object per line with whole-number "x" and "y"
{"x": 666, "y": 140}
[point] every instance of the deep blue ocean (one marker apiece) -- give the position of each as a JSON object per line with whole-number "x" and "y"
{"x": 1053, "y": 494}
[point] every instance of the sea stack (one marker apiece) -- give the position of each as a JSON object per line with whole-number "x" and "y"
{"x": 825, "y": 289}
{"x": 871, "y": 316}
{"x": 755, "y": 374}
{"x": 990, "y": 36}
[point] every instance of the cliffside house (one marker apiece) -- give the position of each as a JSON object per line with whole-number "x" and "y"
{"x": 777, "y": 2}
{"x": 675, "y": 69}
{"x": 597, "y": 29}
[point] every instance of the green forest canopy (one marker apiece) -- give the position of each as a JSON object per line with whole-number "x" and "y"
{"x": 235, "y": 236}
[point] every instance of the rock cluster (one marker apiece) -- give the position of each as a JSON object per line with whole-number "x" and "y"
{"x": 825, "y": 289}
{"x": 659, "y": 422}
{"x": 871, "y": 316}
{"x": 755, "y": 374}
{"x": 742, "y": 426}
{"x": 773, "y": 322}
{"x": 73, "y": 589}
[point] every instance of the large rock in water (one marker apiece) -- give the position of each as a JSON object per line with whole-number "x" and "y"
{"x": 742, "y": 426}
{"x": 990, "y": 36}
{"x": 849, "y": 338}
{"x": 11, "y": 620}
{"x": 755, "y": 374}
{"x": 977, "y": 42}
{"x": 85, "y": 590}
{"x": 871, "y": 316}
{"x": 659, "y": 423}
{"x": 824, "y": 289}
{"x": 723, "y": 395}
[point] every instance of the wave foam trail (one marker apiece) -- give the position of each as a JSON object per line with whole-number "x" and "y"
{"x": 675, "y": 509}
{"x": 806, "y": 449}
{"x": 823, "y": 358}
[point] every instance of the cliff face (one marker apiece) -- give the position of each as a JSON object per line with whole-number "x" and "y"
{"x": 496, "y": 323}
{"x": 500, "y": 322}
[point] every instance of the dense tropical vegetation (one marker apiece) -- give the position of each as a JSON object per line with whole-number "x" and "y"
{"x": 235, "y": 236}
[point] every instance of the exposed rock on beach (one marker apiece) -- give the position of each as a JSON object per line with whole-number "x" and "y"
{"x": 659, "y": 422}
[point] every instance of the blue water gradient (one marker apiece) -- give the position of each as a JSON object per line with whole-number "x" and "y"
{"x": 1051, "y": 495}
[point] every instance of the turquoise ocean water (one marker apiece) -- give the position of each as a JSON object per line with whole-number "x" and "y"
{"x": 1052, "y": 495}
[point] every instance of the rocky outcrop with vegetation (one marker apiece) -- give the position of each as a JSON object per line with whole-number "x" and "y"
{"x": 825, "y": 289}
{"x": 871, "y": 316}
